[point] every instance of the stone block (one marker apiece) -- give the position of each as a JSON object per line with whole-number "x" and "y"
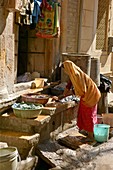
{"x": 13, "y": 123}
{"x": 48, "y": 125}
{"x": 23, "y": 141}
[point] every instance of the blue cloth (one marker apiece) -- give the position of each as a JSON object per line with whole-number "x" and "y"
{"x": 36, "y": 11}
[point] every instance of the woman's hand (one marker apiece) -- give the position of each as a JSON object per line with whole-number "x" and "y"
{"x": 55, "y": 98}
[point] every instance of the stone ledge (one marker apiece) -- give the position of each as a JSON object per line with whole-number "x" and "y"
{"x": 11, "y": 122}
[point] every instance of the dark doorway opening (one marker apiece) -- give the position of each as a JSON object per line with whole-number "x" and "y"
{"x": 22, "y": 50}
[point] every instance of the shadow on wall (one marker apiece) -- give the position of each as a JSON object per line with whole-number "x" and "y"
{"x": 103, "y": 59}
{"x": 3, "y": 17}
{"x": 56, "y": 75}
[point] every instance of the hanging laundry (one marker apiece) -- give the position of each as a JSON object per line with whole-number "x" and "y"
{"x": 29, "y": 13}
{"x": 35, "y": 13}
{"x": 23, "y": 18}
{"x": 36, "y": 10}
{"x": 48, "y": 24}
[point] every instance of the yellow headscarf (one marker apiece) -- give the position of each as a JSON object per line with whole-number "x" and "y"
{"x": 82, "y": 83}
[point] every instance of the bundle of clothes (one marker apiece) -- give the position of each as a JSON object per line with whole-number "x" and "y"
{"x": 105, "y": 84}
{"x": 41, "y": 15}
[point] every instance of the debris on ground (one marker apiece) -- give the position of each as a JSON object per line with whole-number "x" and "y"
{"x": 70, "y": 152}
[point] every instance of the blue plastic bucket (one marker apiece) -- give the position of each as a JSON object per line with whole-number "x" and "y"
{"x": 101, "y": 132}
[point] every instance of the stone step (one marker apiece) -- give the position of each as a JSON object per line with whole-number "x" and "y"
{"x": 23, "y": 141}
{"x": 48, "y": 124}
{"x": 9, "y": 121}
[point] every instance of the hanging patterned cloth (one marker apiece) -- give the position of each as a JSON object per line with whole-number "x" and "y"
{"x": 48, "y": 24}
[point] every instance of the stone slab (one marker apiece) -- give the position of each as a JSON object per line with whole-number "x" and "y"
{"x": 10, "y": 122}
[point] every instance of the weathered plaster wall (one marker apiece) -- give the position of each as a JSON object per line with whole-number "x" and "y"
{"x": 9, "y": 50}
{"x": 3, "y": 17}
{"x": 111, "y": 30}
{"x": 87, "y": 42}
{"x": 70, "y": 25}
{"x": 86, "y": 25}
{"x": 42, "y": 54}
